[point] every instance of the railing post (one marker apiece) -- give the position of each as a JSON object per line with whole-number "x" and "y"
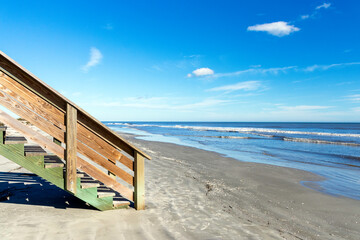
{"x": 139, "y": 181}
{"x": 71, "y": 148}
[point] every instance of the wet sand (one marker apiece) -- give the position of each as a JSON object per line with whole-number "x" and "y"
{"x": 190, "y": 194}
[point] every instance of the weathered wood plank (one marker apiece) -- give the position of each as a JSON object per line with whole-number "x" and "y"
{"x": 53, "y": 175}
{"x": 31, "y": 134}
{"x": 71, "y": 148}
{"x": 106, "y": 164}
{"x": 31, "y": 100}
{"x": 60, "y": 152}
{"x": 41, "y": 88}
{"x": 102, "y": 147}
{"x": 139, "y": 182}
{"x": 56, "y": 117}
{"x": 30, "y": 116}
{"x": 104, "y": 178}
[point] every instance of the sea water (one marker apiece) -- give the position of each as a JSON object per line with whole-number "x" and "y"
{"x": 331, "y": 150}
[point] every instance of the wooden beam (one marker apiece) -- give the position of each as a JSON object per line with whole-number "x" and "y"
{"x": 105, "y": 163}
{"x": 45, "y": 143}
{"x": 71, "y": 148}
{"x": 30, "y": 134}
{"x": 39, "y": 87}
{"x": 139, "y": 181}
{"x": 29, "y": 105}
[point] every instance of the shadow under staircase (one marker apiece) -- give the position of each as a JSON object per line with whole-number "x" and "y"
{"x": 79, "y": 154}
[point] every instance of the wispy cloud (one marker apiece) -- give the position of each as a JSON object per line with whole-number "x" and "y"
{"x": 278, "y": 29}
{"x": 246, "y": 86}
{"x": 326, "y": 67}
{"x": 304, "y": 107}
{"x": 316, "y": 11}
{"x": 201, "y": 72}
{"x": 305, "y": 16}
{"x": 324, "y": 5}
{"x": 354, "y": 98}
{"x": 95, "y": 59}
{"x": 165, "y": 103}
{"x": 254, "y": 70}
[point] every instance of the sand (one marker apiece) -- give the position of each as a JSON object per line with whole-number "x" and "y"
{"x": 190, "y": 194}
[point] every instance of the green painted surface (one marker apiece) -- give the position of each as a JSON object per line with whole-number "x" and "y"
{"x": 38, "y": 160}
{"x": 89, "y": 195}
{"x": 35, "y": 164}
{"x": 13, "y": 153}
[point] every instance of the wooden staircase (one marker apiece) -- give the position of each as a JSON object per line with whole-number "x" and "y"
{"x": 80, "y": 154}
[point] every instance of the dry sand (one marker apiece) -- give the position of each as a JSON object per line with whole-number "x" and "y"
{"x": 190, "y": 194}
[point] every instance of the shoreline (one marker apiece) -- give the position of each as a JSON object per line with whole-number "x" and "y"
{"x": 190, "y": 194}
{"x": 292, "y": 208}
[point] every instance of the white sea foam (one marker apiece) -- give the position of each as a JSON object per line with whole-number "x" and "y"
{"x": 245, "y": 130}
{"x": 307, "y": 140}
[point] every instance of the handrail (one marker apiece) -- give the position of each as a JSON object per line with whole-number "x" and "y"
{"x": 35, "y": 84}
{"x": 30, "y": 98}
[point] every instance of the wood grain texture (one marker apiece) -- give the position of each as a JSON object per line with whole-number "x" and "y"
{"x": 139, "y": 182}
{"x": 31, "y": 100}
{"x": 104, "y": 178}
{"x": 45, "y": 91}
{"x": 31, "y": 134}
{"x": 60, "y": 152}
{"x": 102, "y": 147}
{"x": 71, "y": 148}
{"x": 30, "y": 116}
{"x": 54, "y": 116}
{"x": 106, "y": 164}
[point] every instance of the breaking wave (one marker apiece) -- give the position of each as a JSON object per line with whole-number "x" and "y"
{"x": 258, "y": 131}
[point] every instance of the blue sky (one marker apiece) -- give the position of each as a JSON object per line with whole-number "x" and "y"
{"x": 193, "y": 60}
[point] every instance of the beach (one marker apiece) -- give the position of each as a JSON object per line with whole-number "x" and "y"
{"x": 190, "y": 194}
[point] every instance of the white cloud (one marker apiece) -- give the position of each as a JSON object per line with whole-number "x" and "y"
{"x": 254, "y": 70}
{"x": 200, "y": 72}
{"x": 95, "y": 59}
{"x": 324, "y": 5}
{"x": 164, "y": 103}
{"x": 246, "y": 86}
{"x": 354, "y": 98}
{"x": 304, "y": 107}
{"x": 305, "y": 16}
{"x": 278, "y": 29}
{"x": 326, "y": 67}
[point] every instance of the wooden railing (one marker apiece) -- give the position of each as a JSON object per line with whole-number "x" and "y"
{"x": 83, "y": 136}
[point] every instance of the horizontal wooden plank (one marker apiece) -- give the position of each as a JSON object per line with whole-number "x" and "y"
{"x": 31, "y": 134}
{"x": 55, "y": 116}
{"x": 30, "y": 116}
{"x": 102, "y": 147}
{"x": 106, "y": 164}
{"x": 31, "y": 100}
{"x": 104, "y": 178}
{"x": 60, "y": 152}
{"x": 51, "y": 95}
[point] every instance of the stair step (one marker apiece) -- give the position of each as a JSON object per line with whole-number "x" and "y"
{"x": 3, "y": 128}
{"x": 117, "y": 203}
{"x": 52, "y": 161}
{"x": 34, "y": 150}
{"x": 15, "y": 140}
{"x": 89, "y": 185}
{"x": 80, "y": 174}
{"x": 88, "y": 182}
{"x": 105, "y": 192}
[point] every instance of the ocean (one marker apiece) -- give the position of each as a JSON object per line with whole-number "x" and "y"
{"x": 331, "y": 150}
